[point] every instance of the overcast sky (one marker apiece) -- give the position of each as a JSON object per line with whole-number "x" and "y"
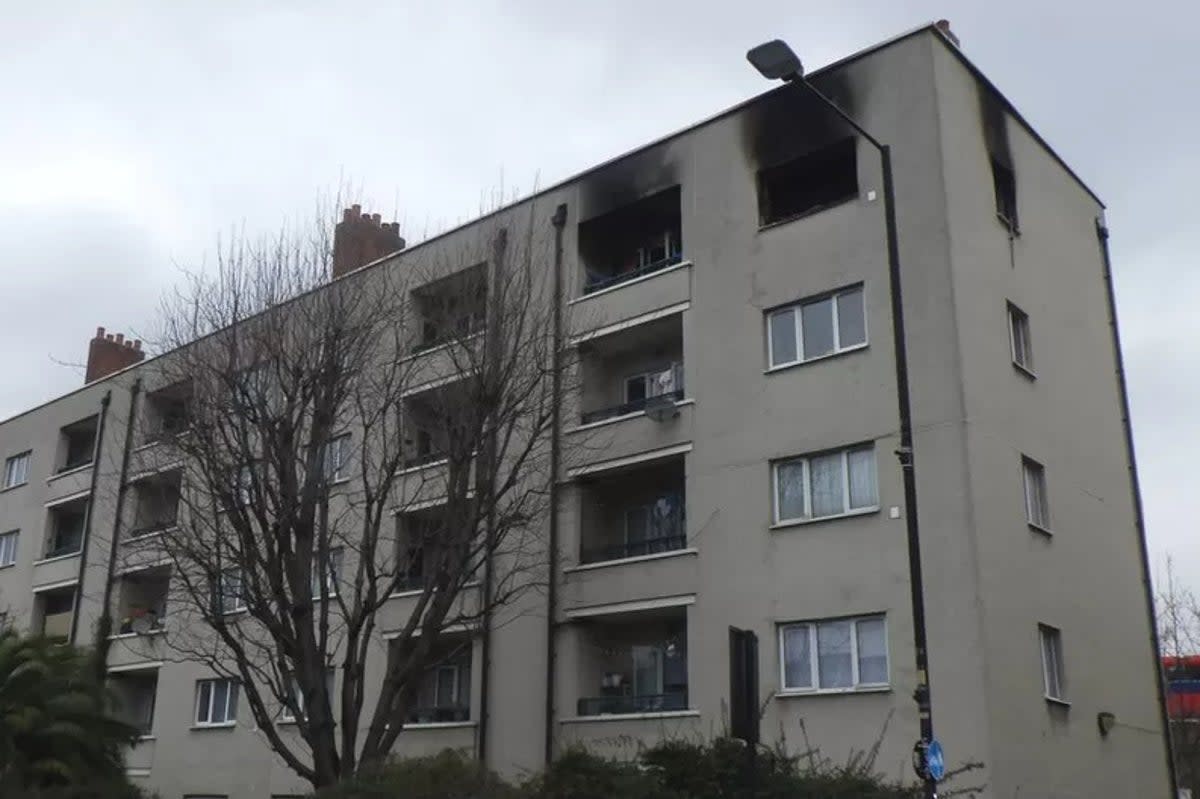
{"x": 132, "y": 133}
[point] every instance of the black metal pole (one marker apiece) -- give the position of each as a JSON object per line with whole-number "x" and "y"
{"x": 922, "y": 694}
{"x": 88, "y": 513}
{"x": 559, "y": 220}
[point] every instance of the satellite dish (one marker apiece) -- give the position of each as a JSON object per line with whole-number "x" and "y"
{"x": 660, "y": 408}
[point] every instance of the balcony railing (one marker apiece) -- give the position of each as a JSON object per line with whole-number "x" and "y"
{"x": 597, "y": 281}
{"x": 633, "y": 549}
{"x": 648, "y": 703}
{"x": 628, "y": 407}
{"x": 151, "y": 528}
{"x": 441, "y": 714}
{"x": 75, "y": 463}
{"x": 64, "y": 547}
{"x": 413, "y": 461}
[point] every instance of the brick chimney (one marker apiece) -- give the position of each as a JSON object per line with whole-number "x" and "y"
{"x": 109, "y": 353}
{"x": 361, "y": 238}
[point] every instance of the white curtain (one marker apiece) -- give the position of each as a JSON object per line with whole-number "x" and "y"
{"x": 826, "y": 479}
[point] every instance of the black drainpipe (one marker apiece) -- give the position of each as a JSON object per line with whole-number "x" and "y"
{"x": 1136, "y": 491}
{"x": 87, "y": 516}
{"x": 104, "y": 628}
{"x": 559, "y": 220}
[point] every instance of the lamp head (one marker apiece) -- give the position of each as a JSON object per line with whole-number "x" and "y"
{"x": 774, "y": 60}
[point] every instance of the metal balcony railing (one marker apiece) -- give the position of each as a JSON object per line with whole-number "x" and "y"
{"x": 628, "y": 407}
{"x": 649, "y": 703}
{"x": 633, "y": 549}
{"x": 440, "y": 714}
{"x": 597, "y": 281}
{"x": 425, "y": 459}
{"x": 151, "y": 528}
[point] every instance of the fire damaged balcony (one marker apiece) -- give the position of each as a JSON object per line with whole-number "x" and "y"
{"x": 633, "y": 241}
{"x": 633, "y": 513}
{"x": 166, "y": 413}
{"x": 633, "y": 663}
{"x": 639, "y": 369}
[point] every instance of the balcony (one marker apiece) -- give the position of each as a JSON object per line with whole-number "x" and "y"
{"x": 167, "y": 413}
{"x": 142, "y": 601}
{"x": 633, "y": 663}
{"x": 155, "y": 503}
{"x": 53, "y": 611}
{"x": 633, "y": 241}
{"x": 66, "y": 524}
{"x": 633, "y": 512}
{"x": 135, "y": 692}
{"x": 636, "y": 370}
{"x": 77, "y": 445}
{"x": 444, "y": 695}
{"x": 452, "y": 309}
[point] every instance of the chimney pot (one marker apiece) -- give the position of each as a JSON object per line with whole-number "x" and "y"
{"x": 109, "y": 337}
{"x": 361, "y": 238}
{"x": 120, "y": 337}
{"x": 99, "y": 332}
{"x": 357, "y": 209}
{"x": 109, "y": 353}
{"x": 137, "y": 344}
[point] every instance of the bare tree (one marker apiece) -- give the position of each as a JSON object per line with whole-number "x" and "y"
{"x": 1178, "y": 611}
{"x": 389, "y": 432}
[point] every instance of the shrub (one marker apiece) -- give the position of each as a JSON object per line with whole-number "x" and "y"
{"x": 447, "y": 775}
{"x": 577, "y": 774}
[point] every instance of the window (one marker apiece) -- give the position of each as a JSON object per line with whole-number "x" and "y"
{"x": 1018, "y": 337}
{"x": 16, "y": 470}
{"x": 67, "y": 523}
{"x": 337, "y": 458}
{"x": 834, "y": 655}
{"x": 216, "y": 702}
{"x": 828, "y": 484}
{"x": 1052, "y": 662}
{"x": 8, "y": 548}
{"x": 286, "y": 714}
{"x": 1004, "y": 182}
{"x": 334, "y": 568}
{"x": 244, "y": 488}
{"x": 817, "y": 327}
{"x": 1037, "y": 511}
{"x": 230, "y": 591}
{"x": 813, "y": 182}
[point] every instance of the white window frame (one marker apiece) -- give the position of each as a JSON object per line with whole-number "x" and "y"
{"x": 285, "y": 712}
{"x": 239, "y": 600}
{"x": 1053, "y": 674}
{"x": 1018, "y": 333}
{"x": 1033, "y": 476}
{"x": 335, "y": 458}
{"x": 9, "y": 543}
{"x": 232, "y": 692}
{"x": 334, "y": 562}
{"x": 16, "y": 469}
{"x": 806, "y": 480}
{"x": 814, "y": 686}
{"x": 796, "y": 309}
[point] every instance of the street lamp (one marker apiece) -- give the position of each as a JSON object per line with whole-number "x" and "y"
{"x": 776, "y": 61}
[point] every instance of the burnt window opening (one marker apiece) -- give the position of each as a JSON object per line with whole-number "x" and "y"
{"x": 808, "y": 184}
{"x": 1004, "y": 183}
{"x": 634, "y": 240}
{"x": 167, "y": 412}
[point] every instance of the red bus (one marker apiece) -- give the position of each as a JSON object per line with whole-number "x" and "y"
{"x": 1183, "y": 686}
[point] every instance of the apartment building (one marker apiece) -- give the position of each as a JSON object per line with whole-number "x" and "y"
{"x": 726, "y": 290}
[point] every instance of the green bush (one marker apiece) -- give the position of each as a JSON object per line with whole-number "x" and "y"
{"x": 577, "y": 774}
{"x": 447, "y": 775}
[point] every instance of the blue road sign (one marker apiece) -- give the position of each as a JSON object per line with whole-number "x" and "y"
{"x": 935, "y": 761}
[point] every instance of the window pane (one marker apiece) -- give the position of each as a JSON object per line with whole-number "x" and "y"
{"x": 220, "y": 695}
{"x": 636, "y": 524}
{"x": 852, "y": 323}
{"x": 797, "y": 657}
{"x": 202, "y": 702}
{"x": 834, "y": 665}
{"x": 789, "y": 479}
{"x": 863, "y": 490}
{"x": 816, "y": 318}
{"x": 447, "y": 676}
{"x": 872, "y": 652}
{"x": 232, "y": 688}
{"x": 826, "y": 477}
{"x": 1035, "y": 494}
{"x": 783, "y": 337}
{"x": 635, "y": 388}
{"x": 1052, "y": 662}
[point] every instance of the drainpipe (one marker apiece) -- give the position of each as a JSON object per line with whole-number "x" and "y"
{"x": 105, "y": 401}
{"x": 559, "y": 220}
{"x": 1136, "y": 492}
{"x": 104, "y": 628}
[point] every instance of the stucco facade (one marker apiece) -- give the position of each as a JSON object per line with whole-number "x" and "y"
{"x": 658, "y": 613}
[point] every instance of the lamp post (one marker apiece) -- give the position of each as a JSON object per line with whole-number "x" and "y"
{"x": 775, "y": 61}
